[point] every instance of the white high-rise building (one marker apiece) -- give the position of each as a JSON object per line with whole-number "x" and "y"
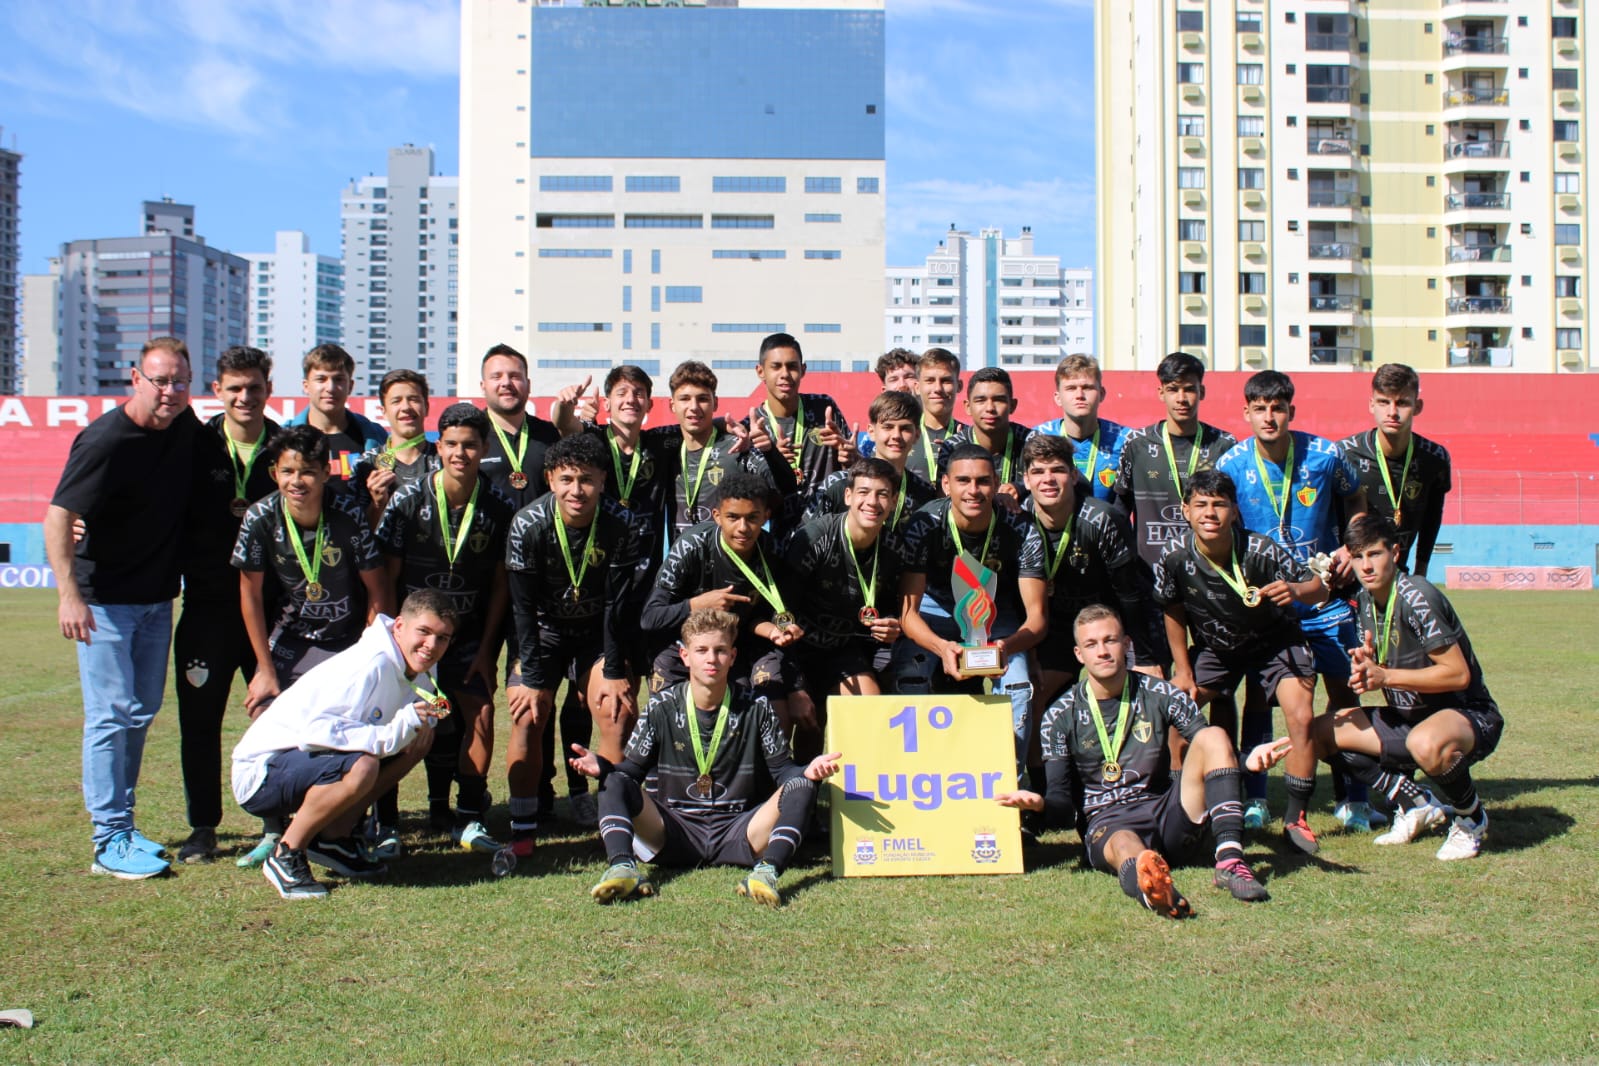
{"x": 41, "y": 332}
{"x": 399, "y": 234}
{"x": 653, "y": 183}
{"x": 296, "y": 299}
{"x": 993, "y": 301}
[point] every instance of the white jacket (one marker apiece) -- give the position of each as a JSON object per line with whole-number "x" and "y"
{"x": 359, "y": 700}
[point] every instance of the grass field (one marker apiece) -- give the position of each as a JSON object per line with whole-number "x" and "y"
{"x": 1362, "y": 954}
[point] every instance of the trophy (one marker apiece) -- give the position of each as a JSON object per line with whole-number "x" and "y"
{"x": 974, "y": 584}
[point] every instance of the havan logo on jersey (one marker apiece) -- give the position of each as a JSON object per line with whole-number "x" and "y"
{"x": 1423, "y": 621}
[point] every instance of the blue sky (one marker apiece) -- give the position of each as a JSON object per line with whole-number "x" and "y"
{"x": 260, "y": 111}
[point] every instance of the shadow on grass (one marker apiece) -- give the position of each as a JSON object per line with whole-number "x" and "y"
{"x": 1520, "y": 828}
{"x": 1495, "y": 790}
{"x": 1062, "y": 851}
{"x": 1285, "y": 860}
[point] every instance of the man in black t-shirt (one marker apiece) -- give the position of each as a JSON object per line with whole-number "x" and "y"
{"x": 891, "y": 430}
{"x": 447, "y": 532}
{"x": 727, "y": 791}
{"x": 128, "y": 478}
{"x": 698, "y": 452}
{"x": 803, "y": 436}
{"x": 1439, "y": 716}
{"x": 329, "y": 370}
{"x": 210, "y": 644}
{"x": 1234, "y": 590}
{"x": 1107, "y": 759}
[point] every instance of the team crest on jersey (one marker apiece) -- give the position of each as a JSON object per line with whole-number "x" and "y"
{"x": 1412, "y": 490}
{"x": 196, "y": 673}
{"x": 1107, "y": 477}
{"x": 714, "y": 475}
{"x": 815, "y": 437}
{"x": 1306, "y": 496}
{"x": 478, "y": 541}
{"x": 985, "y": 846}
{"x": 331, "y": 554}
{"x": 865, "y": 853}
{"x": 1143, "y": 730}
{"x": 596, "y": 555}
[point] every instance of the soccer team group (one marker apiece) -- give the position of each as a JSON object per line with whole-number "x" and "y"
{"x": 364, "y": 581}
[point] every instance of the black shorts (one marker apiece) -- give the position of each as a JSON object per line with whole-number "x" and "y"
{"x": 567, "y": 655}
{"x": 293, "y": 773}
{"x": 1487, "y": 725}
{"x": 768, "y": 674}
{"x": 452, "y": 675}
{"x": 1057, "y": 651}
{"x": 293, "y": 657}
{"x": 695, "y": 839}
{"x": 1266, "y": 668}
{"x": 1160, "y": 822}
{"x": 831, "y": 667}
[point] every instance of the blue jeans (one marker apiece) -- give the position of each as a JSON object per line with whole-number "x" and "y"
{"x": 123, "y": 672}
{"x": 915, "y": 670}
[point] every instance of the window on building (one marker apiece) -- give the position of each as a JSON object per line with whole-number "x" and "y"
{"x": 1568, "y": 338}
{"x": 655, "y": 337}
{"x": 663, "y": 221}
{"x": 1566, "y": 130}
{"x": 574, "y": 183}
{"x": 1191, "y": 282}
{"x": 1191, "y": 335}
{"x": 1191, "y": 229}
{"x": 823, "y": 327}
{"x": 824, "y": 184}
{"x": 749, "y": 183}
{"x": 1190, "y": 125}
{"x": 1190, "y": 177}
{"x": 684, "y": 294}
{"x": 627, "y": 297}
{"x": 1251, "y": 74}
{"x": 1251, "y": 126}
{"x": 1248, "y": 22}
{"x": 574, "y": 253}
{"x": 821, "y": 253}
{"x": 1190, "y": 73}
{"x": 1568, "y": 286}
{"x": 1568, "y": 181}
{"x": 1252, "y": 230}
{"x": 546, "y": 220}
{"x": 574, "y": 327}
{"x": 748, "y": 327}
{"x": 1563, "y": 78}
{"x": 743, "y": 221}
{"x": 1562, "y": 26}
{"x": 866, "y": 185}
{"x": 1251, "y": 336}
{"x": 1190, "y": 21}
{"x": 749, "y": 253}
{"x": 1567, "y": 233}
{"x": 653, "y": 183}
{"x": 1251, "y": 178}
{"x": 1326, "y": 84}
{"x": 823, "y": 216}
{"x": 1251, "y": 284}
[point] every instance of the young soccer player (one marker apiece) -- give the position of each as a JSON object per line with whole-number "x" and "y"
{"x": 1405, "y": 475}
{"x": 727, "y": 790}
{"x": 1157, "y": 461}
{"x": 329, "y": 371}
{"x": 990, "y": 400}
{"x": 698, "y": 452}
{"x": 407, "y": 455}
{"x": 938, "y": 382}
{"x": 447, "y": 532}
{"x": 1008, "y": 544}
{"x": 847, "y": 601}
{"x": 805, "y": 435}
{"x": 1109, "y": 734}
{"x": 892, "y": 429}
{"x": 573, "y": 563}
{"x": 210, "y": 644}
{"x": 1234, "y": 591}
{"x": 1096, "y": 442}
{"x": 1439, "y": 716}
{"x": 347, "y": 731}
{"x": 896, "y": 369}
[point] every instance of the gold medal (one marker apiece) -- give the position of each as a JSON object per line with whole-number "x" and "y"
{"x": 239, "y": 507}
{"x": 868, "y": 615}
{"x": 1111, "y": 771}
{"x": 624, "y": 503}
{"x": 1399, "y": 516}
{"x": 703, "y": 783}
{"x": 1252, "y": 596}
{"x": 518, "y": 480}
{"x": 385, "y": 460}
{"x": 782, "y": 620}
{"x": 574, "y": 594}
{"x": 1049, "y": 590}
{"x": 314, "y": 592}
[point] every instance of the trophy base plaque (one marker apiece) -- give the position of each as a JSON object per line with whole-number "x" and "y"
{"x": 984, "y": 660}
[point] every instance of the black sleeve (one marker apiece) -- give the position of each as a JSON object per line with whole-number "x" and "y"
{"x": 666, "y": 608}
{"x": 1427, "y": 535}
{"x": 620, "y": 601}
{"x": 522, "y": 574}
{"x": 1135, "y": 589}
{"x": 774, "y": 745}
{"x": 1060, "y": 809}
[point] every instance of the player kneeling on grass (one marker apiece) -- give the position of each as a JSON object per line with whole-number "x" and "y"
{"x": 346, "y": 732}
{"x": 1438, "y": 714}
{"x": 1106, "y": 754}
{"x": 705, "y": 741}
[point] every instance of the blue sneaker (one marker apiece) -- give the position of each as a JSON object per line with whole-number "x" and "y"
{"x": 260, "y": 853}
{"x": 122, "y": 858}
{"x": 146, "y": 845}
{"x": 1257, "y": 814}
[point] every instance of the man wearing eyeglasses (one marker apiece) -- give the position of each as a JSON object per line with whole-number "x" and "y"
{"x": 128, "y": 477}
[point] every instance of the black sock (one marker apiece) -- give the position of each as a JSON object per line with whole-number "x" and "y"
{"x": 1128, "y": 876}
{"x": 389, "y": 807}
{"x": 472, "y": 789}
{"x": 793, "y": 810}
{"x": 1457, "y": 787}
{"x": 620, "y": 800}
{"x": 1300, "y": 790}
{"x": 1400, "y": 792}
{"x": 524, "y": 814}
{"x": 1224, "y": 806}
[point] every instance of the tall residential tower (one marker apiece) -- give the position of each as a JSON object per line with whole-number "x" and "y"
{"x": 296, "y": 298}
{"x": 10, "y": 256}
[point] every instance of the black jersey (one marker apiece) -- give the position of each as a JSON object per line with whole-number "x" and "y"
{"x": 1422, "y": 490}
{"x": 1067, "y": 733}
{"x": 411, "y": 532}
{"x": 916, "y": 492}
{"x": 535, "y": 436}
{"x": 923, "y": 457}
{"x": 426, "y": 462}
{"x": 1144, "y": 484}
{"x": 648, "y": 485}
{"x": 1217, "y": 617}
{"x": 751, "y": 762}
{"x": 1098, "y": 566}
{"x": 1014, "y": 551}
{"x": 603, "y": 604}
{"x": 336, "y": 618}
{"x": 828, "y": 598}
{"x": 211, "y": 528}
{"x": 1008, "y": 467}
{"x": 698, "y": 562}
{"x": 1425, "y": 622}
{"x": 694, "y": 474}
{"x": 814, "y": 461}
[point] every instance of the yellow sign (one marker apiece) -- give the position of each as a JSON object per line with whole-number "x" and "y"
{"x": 915, "y": 793}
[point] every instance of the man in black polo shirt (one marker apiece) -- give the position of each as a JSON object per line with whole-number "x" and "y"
{"x": 128, "y": 477}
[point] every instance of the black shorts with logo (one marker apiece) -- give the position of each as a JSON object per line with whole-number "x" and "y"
{"x": 1265, "y": 667}
{"x": 713, "y": 838}
{"x": 1159, "y": 821}
{"x": 1393, "y": 727}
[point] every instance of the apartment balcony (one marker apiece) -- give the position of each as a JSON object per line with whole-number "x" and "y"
{"x": 1477, "y": 305}
{"x": 1477, "y": 98}
{"x": 1477, "y": 150}
{"x": 1330, "y": 146}
{"x": 1478, "y": 253}
{"x": 1327, "y": 94}
{"x": 1477, "y": 201}
{"x": 1331, "y": 250}
{"x": 1333, "y": 198}
{"x": 1329, "y": 42}
{"x": 1337, "y": 355}
{"x": 1477, "y": 45}
{"x": 1473, "y": 355}
{"x": 1334, "y": 303}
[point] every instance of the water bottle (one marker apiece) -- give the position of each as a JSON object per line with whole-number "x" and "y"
{"x": 504, "y": 861}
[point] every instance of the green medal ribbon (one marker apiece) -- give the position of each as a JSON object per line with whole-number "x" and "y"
{"x": 436, "y": 699}
{"x": 311, "y": 570}
{"x": 769, "y": 591}
{"x": 1235, "y": 580}
{"x": 1385, "y": 634}
{"x": 868, "y": 590}
{"x": 1093, "y": 455}
{"x": 691, "y": 492}
{"x": 452, "y": 548}
{"x": 929, "y": 451}
{"x": 1112, "y": 748}
{"x": 899, "y": 505}
{"x": 624, "y": 488}
{"x": 577, "y": 575}
{"x": 703, "y": 758}
{"x": 1279, "y": 506}
{"x": 1060, "y": 550}
{"x": 242, "y": 467}
{"x": 1171, "y": 456}
{"x": 799, "y": 430}
{"x": 514, "y": 458}
{"x": 1387, "y": 480}
{"x": 393, "y": 451}
{"x": 1005, "y": 466}
{"x": 960, "y": 549}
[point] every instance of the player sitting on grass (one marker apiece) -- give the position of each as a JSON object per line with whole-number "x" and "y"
{"x": 1109, "y": 732}
{"x": 346, "y": 732}
{"x": 727, "y": 791}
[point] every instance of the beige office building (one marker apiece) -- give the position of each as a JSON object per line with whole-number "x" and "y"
{"x": 1321, "y": 185}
